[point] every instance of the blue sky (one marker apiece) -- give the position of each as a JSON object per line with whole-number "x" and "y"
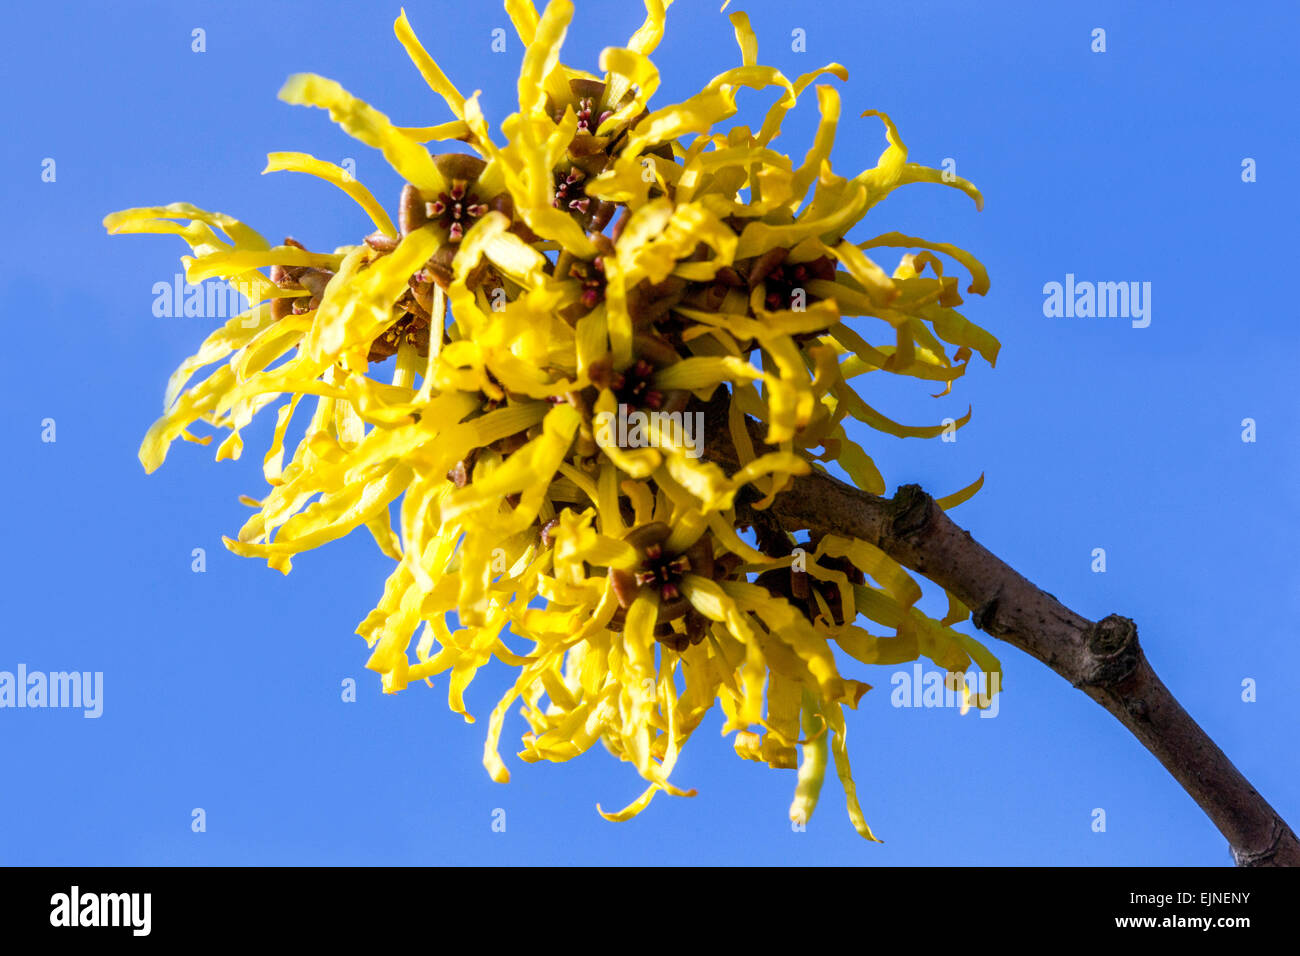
{"x": 222, "y": 689}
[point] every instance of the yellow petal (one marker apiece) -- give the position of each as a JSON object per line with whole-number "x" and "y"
{"x": 370, "y": 126}
{"x": 340, "y": 177}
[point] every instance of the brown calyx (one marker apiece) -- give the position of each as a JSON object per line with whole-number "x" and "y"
{"x": 662, "y": 572}
{"x": 633, "y": 385}
{"x": 798, "y": 586}
{"x": 781, "y": 279}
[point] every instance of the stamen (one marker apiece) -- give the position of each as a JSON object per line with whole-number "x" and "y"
{"x": 457, "y": 209}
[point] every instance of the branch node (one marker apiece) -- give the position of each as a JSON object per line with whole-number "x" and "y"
{"x": 1112, "y": 648}
{"x": 1137, "y": 707}
{"x": 1265, "y": 856}
{"x": 982, "y": 616}
{"x": 911, "y": 511}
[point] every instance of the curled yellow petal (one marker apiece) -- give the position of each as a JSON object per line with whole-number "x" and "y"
{"x": 340, "y": 177}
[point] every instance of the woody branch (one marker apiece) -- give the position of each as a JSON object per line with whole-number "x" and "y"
{"x": 1101, "y": 658}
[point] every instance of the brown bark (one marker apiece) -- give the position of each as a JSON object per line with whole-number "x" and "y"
{"x": 1101, "y": 658}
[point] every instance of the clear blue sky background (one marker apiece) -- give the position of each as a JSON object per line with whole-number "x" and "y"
{"x": 222, "y": 689}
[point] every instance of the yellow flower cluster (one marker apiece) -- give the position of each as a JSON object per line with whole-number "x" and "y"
{"x": 605, "y": 259}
